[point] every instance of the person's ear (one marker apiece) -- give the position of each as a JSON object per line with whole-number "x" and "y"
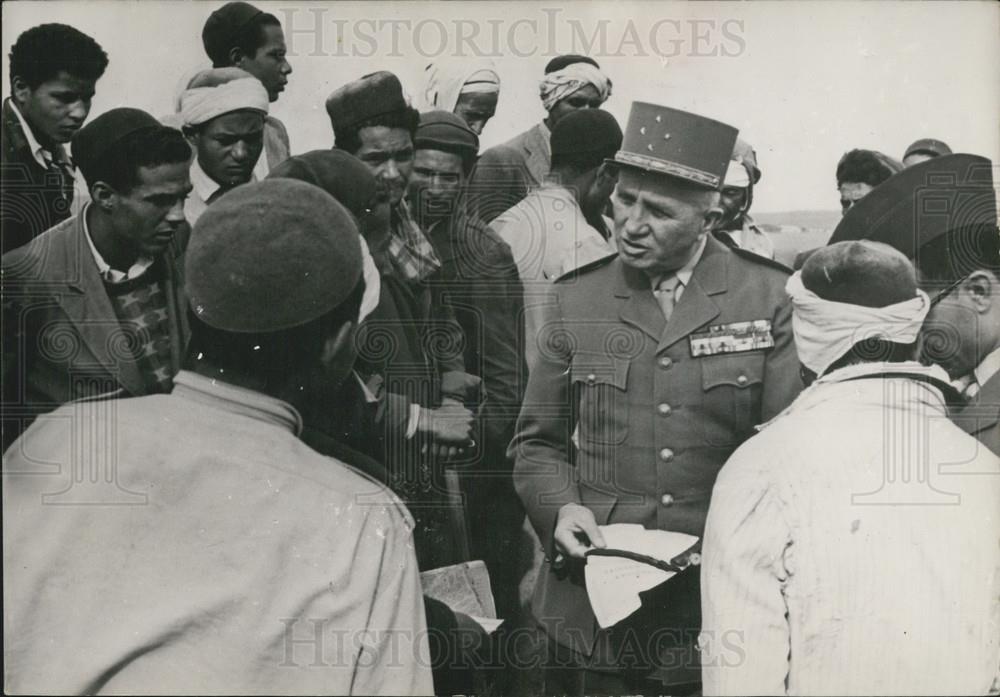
{"x": 104, "y": 197}
{"x": 979, "y": 288}
{"x": 236, "y": 56}
{"x": 20, "y": 89}
{"x": 338, "y": 352}
{"x": 607, "y": 175}
{"x": 712, "y": 217}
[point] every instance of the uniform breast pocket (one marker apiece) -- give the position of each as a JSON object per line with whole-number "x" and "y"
{"x": 600, "y": 384}
{"x": 731, "y": 393}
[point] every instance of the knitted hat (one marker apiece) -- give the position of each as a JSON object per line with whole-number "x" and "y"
{"x": 270, "y": 256}
{"x": 443, "y": 130}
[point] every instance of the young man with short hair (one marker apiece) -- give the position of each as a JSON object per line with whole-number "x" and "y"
{"x": 239, "y": 35}
{"x": 53, "y": 71}
{"x": 94, "y": 305}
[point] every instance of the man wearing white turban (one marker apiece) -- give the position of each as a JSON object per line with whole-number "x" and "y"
{"x": 223, "y": 112}
{"x": 841, "y": 523}
{"x": 506, "y": 173}
{"x": 468, "y": 89}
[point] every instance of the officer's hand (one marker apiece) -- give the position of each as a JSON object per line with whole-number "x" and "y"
{"x": 576, "y": 531}
{"x": 449, "y": 424}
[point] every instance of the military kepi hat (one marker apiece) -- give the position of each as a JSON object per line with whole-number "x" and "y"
{"x": 924, "y": 202}
{"x": 677, "y": 143}
{"x": 375, "y": 94}
{"x": 271, "y": 256}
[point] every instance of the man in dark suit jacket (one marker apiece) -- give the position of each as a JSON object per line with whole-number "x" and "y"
{"x": 53, "y": 70}
{"x": 94, "y": 305}
{"x": 656, "y": 367}
{"x": 506, "y": 173}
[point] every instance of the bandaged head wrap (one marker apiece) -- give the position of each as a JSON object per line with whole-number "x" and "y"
{"x": 200, "y": 104}
{"x": 560, "y": 84}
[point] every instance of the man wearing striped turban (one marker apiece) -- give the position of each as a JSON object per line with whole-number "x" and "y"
{"x": 507, "y": 172}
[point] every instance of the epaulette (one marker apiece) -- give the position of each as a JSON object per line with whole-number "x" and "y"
{"x": 589, "y": 266}
{"x": 751, "y": 256}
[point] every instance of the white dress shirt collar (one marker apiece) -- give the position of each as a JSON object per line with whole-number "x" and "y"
{"x": 41, "y": 154}
{"x": 109, "y": 274}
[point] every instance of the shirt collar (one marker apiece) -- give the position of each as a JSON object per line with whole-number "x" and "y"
{"x": 109, "y": 274}
{"x": 202, "y": 184}
{"x": 989, "y": 367}
{"x": 41, "y": 154}
{"x": 683, "y": 274}
{"x": 238, "y": 400}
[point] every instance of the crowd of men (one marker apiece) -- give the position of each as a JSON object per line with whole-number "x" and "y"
{"x": 249, "y": 395}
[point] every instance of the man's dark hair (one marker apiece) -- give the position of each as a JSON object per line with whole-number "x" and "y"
{"x": 560, "y": 62}
{"x": 249, "y": 39}
{"x": 580, "y": 162}
{"x": 270, "y": 356}
{"x": 42, "y": 52}
{"x": 959, "y": 252}
{"x": 349, "y": 139}
{"x": 865, "y": 167}
{"x": 149, "y": 147}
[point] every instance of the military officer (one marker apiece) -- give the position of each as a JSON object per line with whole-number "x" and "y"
{"x": 662, "y": 360}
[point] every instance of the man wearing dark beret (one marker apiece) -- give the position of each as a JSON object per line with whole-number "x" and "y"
{"x": 242, "y": 545}
{"x": 53, "y": 70}
{"x": 94, "y": 305}
{"x": 655, "y": 364}
{"x": 242, "y": 36}
{"x": 479, "y": 277}
{"x": 941, "y": 213}
{"x": 506, "y": 173}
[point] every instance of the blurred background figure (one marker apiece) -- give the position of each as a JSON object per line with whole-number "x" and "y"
{"x": 736, "y": 225}
{"x": 506, "y": 173}
{"x": 924, "y": 149}
{"x": 860, "y": 171}
{"x": 469, "y": 89}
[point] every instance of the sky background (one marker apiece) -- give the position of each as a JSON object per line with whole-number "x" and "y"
{"x": 803, "y": 82}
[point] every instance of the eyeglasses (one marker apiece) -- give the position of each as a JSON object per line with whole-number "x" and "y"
{"x": 947, "y": 289}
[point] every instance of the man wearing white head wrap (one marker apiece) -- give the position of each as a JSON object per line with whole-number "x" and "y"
{"x": 821, "y": 527}
{"x": 222, "y": 113}
{"x": 506, "y": 173}
{"x": 469, "y": 89}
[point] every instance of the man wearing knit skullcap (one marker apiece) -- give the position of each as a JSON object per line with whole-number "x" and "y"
{"x": 477, "y": 267}
{"x": 112, "y": 272}
{"x": 223, "y": 112}
{"x": 802, "y": 551}
{"x": 239, "y": 35}
{"x": 506, "y": 173}
{"x": 240, "y": 539}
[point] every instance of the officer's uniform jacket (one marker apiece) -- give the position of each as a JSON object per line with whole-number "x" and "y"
{"x": 655, "y": 424}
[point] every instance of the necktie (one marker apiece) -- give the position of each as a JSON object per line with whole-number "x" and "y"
{"x": 665, "y": 293}
{"x": 60, "y": 171}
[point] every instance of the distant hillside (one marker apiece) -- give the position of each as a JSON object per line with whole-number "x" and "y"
{"x": 797, "y": 231}
{"x": 810, "y": 220}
